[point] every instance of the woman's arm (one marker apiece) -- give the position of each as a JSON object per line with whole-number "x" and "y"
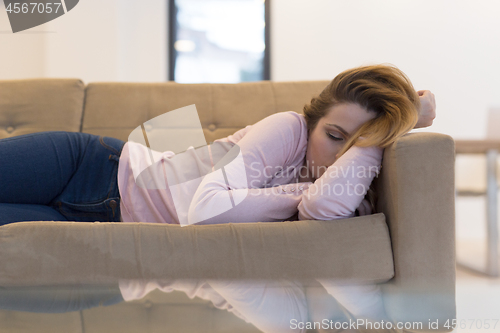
{"x": 427, "y": 109}
{"x": 322, "y": 202}
{"x": 341, "y": 189}
{"x": 238, "y": 193}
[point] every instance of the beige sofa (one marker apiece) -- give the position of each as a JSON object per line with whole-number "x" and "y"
{"x": 408, "y": 246}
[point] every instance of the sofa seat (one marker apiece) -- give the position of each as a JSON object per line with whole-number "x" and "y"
{"x": 48, "y": 253}
{"x": 44, "y": 253}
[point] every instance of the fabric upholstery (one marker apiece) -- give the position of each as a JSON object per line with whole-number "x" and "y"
{"x": 417, "y": 194}
{"x": 36, "y": 105}
{"x": 49, "y": 251}
{"x": 223, "y": 108}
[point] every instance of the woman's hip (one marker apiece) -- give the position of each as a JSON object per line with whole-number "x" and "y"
{"x": 92, "y": 194}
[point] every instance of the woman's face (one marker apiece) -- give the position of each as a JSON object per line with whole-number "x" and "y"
{"x": 330, "y": 135}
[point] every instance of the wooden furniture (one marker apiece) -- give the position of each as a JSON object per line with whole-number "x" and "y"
{"x": 490, "y": 148}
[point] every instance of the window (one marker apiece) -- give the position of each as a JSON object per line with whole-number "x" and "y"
{"x": 218, "y": 41}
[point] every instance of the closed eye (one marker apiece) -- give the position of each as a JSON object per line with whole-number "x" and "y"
{"x": 333, "y": 137}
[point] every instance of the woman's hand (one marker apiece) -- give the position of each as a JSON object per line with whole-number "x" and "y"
{"x": 364, "y": 208}
{"x": 427, "y": 109}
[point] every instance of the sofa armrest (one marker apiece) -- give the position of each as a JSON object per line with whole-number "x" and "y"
{"x": 416, "y": 190}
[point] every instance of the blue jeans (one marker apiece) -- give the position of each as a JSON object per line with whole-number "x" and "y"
{"x": 59, "y": 176}
{"x": 58, "y": 299}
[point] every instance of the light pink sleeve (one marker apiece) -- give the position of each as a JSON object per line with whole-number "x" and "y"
{"x": 340, "y": 190}
{"x": 270, "y": 144}
{"x": 137, "y": 289}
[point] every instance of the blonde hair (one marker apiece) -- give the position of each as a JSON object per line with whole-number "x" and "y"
{"x": 383, "y": 89}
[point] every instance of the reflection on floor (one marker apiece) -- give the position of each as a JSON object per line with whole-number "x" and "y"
{"x": 478, "y": 296}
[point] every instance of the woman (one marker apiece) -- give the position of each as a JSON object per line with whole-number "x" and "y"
{"x": 359, "y": 113}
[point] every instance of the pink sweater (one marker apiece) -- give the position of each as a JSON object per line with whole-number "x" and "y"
{"x": 273, "y": 153}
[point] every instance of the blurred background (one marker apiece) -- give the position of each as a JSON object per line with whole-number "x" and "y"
{"x": 450, "y": 47}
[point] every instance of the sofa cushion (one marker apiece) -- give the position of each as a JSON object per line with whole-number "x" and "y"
{"x": 44, "y": 253}
{"x": 115, "y": 109}
{"x": 37, "y": 105}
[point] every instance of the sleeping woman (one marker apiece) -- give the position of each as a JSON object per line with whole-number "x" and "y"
{"x": 293, "y": 167}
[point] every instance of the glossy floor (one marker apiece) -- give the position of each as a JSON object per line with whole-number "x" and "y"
{"x": 478, "y": 296}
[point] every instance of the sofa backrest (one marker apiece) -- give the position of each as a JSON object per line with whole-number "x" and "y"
{"x": 36, "y": 105}
{"x": 115, "y": 109}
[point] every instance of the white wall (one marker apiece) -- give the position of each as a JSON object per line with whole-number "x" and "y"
{"x": 449, "y": 46}
{"x": 142, "y": 37}
{"x": 99, "y": 40}
{"x": 84, "y": 43}
{"x": 22, "y": 55}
